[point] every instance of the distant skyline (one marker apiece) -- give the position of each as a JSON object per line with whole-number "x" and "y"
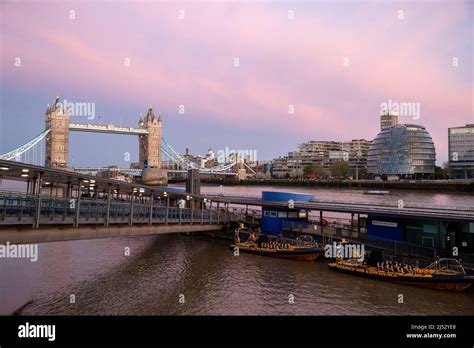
{"x": 333, "y": 63}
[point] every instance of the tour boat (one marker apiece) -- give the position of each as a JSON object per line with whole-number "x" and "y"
{"x": 293, "y": 252}
{"x": 280, "y": 249}
{"x": 443, "y": 274}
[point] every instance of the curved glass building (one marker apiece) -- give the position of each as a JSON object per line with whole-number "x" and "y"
{"x": 403, "y": 150}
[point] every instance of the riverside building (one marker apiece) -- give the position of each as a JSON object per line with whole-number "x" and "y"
{"x": 403, "y": 151}
{"x": 461, "y": 151}
{"x": 322, "y": 153}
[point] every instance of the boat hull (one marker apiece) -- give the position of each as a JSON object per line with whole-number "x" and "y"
{"x": 449, "y": 283}
{"x": 307, "y": 254}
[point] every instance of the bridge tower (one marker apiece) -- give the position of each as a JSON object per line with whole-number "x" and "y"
{"x": 57, "y": 140}
{"x": 150, "y": 150}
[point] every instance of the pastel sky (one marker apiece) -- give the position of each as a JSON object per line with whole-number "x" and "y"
{"x": 190, "y": 61}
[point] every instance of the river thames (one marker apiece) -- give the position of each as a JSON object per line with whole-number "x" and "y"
{"x": 197, "y": 275}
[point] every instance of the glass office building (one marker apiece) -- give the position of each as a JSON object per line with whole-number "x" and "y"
{"x": 461, "y": 151}
{"x": 404, "y": 150}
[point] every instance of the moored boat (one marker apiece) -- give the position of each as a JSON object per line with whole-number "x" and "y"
{"x": 293, "y": 252}
{"x": 305, "y": 252}
{"x": 443, "y": 274}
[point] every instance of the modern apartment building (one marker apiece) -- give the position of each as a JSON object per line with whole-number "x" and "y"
{"x": 322, "y": 153}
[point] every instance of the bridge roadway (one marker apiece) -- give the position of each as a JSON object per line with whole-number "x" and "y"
{"x": 138, "y": 172}
{"x": 78, "y": 127}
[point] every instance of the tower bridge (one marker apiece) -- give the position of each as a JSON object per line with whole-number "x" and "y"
{"x": 150, "y": 141}
{"x": 149, "y": 137}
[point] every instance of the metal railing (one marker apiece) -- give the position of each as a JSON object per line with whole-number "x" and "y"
{"x": 22, "y": 209}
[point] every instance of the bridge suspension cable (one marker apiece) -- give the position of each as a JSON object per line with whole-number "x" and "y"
{"x": 186, "y": 164}
{"x": 35, "y": 156}
{"x": 173, "y": 155}
{"x": 32, "y": 152}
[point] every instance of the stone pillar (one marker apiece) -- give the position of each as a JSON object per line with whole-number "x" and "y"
{"x": 150, "y": 150}
{"x": 193, "y": 186}
{"x": 57, "y": 140}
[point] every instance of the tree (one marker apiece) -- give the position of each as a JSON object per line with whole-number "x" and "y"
{"x": 309, "y": 171}
{"x": 321, "y": 171}
{"x": 447, "y": 169}
{"x": 314, "y": 170}
{"x": 340, "y": 169}
{"x": 441, "y": 172}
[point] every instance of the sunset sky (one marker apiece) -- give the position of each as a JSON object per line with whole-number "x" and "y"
{"x": 190, "y": 61}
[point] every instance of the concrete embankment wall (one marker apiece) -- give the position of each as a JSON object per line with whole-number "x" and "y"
{"x": 25, "y": 235}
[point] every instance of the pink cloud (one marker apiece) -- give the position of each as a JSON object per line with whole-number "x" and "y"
{"x": 283, "y": 62}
